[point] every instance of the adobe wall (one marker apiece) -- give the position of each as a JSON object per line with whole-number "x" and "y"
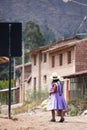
{"x": 81, "y": 56}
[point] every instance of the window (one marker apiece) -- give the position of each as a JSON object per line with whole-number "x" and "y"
{"x": 69, "y": 57}
{"x": 45, "y": 78}
{"x": 53, "y": 61}
{"x": 34, "y": 83}
{"x": 34, "y": 59}
{"x": 45, "y": 57}
{"x": 34, "y": 87}
{"x": 60, "y": 59}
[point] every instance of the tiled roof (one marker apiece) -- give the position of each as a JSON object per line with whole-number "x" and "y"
{"x": 54, "y": 45}
{"x": 3, "y": 60}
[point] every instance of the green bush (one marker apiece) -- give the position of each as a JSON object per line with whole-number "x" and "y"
{"x": 74, "y": 112}
{"x": 76, "y": 107}
{"x": 4, "y": 84}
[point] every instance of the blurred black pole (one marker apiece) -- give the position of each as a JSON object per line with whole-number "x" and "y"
{"x": 9, "y": 100}
{"x": 10, "y": 46}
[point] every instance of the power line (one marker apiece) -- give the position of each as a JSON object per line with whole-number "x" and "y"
{"x": 75, "y": 2}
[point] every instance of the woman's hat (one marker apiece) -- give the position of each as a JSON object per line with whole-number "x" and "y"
{"x": 54, "y": 76}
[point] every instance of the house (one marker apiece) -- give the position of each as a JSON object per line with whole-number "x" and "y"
{"x": 78, "y": 85}
{"x": 68, "y": 58}
{"x": 65, "y": 57}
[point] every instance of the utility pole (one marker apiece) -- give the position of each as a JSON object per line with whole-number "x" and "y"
{"x": 9, "y": 103}
{"x": 23, "y": 86}
{"x": 14, "y": 77}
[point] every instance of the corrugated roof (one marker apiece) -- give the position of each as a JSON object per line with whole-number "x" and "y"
{"x": 26, "y": 64}
{"x": 76, "y": 74}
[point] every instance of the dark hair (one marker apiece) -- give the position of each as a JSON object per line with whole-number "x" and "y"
{"x": 55, "y": 80}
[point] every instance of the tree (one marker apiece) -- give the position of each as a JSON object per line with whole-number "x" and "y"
{"x": 4, "y": 71}
{"x": 33, "y": 36}
{"x": 48, "y": 33}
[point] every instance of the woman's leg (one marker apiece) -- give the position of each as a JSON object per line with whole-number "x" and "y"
{"x": 61, "y": 115}
{"x": 53, "y": 115}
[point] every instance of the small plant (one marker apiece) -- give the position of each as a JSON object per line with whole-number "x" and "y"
{"x": 74, "y": 112}
{"x": 75, "y": 107}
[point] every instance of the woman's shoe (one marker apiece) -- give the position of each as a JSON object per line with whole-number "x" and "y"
{"x": 61, "y": 120}
{"x": 52, "y": 120}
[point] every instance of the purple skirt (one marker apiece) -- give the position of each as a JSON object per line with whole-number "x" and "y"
{"x": 56, "y": 102}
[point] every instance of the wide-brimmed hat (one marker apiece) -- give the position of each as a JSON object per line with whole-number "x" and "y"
{"x": 54, "y": 76}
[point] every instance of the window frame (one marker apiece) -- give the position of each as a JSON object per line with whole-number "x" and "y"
{"x": 45, "y": 79}
{"x": 35, "y": 56}
{"x": 53, "y": 61}
{"x": 60, "y": 59}
{"x": 45, "y": 58}
{"x": 69, "y": 57}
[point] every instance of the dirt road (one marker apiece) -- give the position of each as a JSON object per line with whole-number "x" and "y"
{"x": 39, "y": 120}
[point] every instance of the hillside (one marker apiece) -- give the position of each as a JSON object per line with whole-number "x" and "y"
{"x": 62, "y": 18}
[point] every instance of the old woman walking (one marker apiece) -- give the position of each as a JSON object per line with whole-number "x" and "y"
{"x": 57, "y": 100}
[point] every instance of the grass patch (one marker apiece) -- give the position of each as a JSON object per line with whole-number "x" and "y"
{"x": 25, "y": 107}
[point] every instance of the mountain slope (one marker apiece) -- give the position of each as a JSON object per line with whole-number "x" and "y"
{"x": 62, "y": 18}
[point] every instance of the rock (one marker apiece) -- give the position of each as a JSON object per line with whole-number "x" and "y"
{"x": 84, "y": 113}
